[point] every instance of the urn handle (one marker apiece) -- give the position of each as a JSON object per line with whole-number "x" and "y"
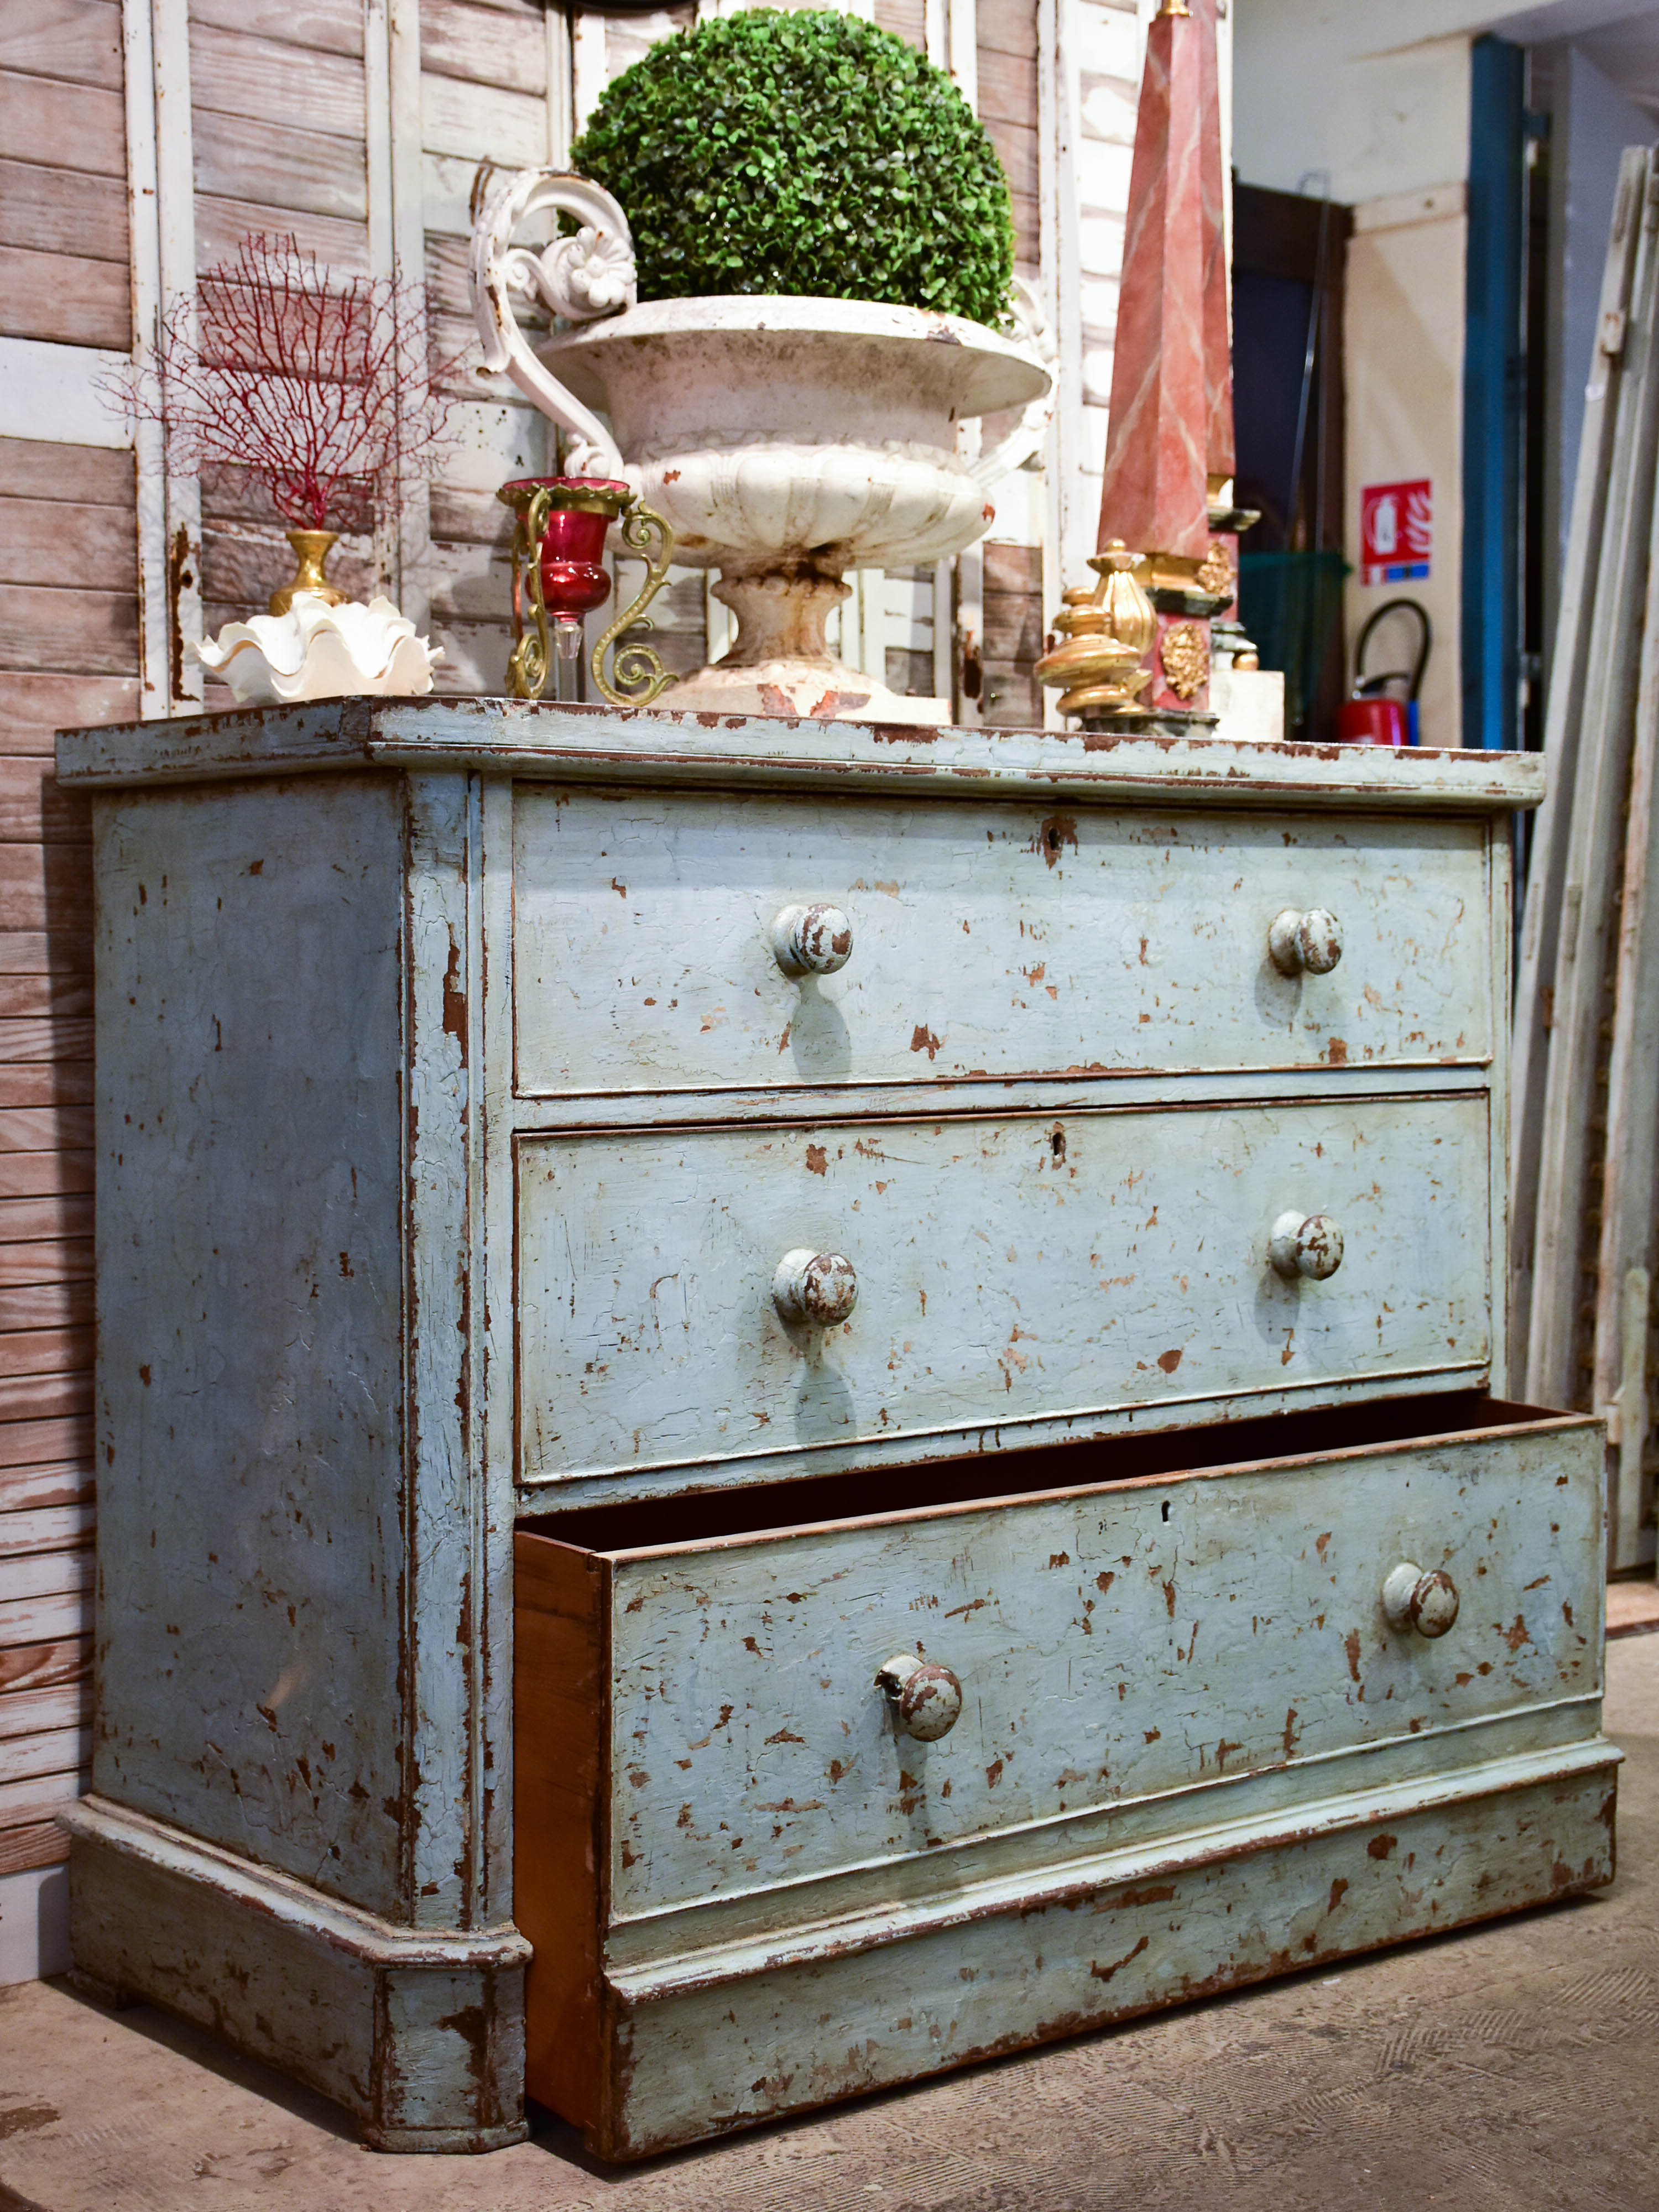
{"x": 818, "y": 1289}
{"x": 1305, "y": 1244}
{"x": 1426, "y": 1603}
{"x": 811, "y": 940}
{"x": 580, "y": 278}
{"x": 1308, "y": 942}
{"x": 1032, "y": 332}
{"x": 926, "y": 1698}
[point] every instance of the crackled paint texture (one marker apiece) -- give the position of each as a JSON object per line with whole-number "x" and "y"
{"x": 1110, "y": 1647}
{"x": 1008, "y": 1269}
{"x": 1002, "y": 941}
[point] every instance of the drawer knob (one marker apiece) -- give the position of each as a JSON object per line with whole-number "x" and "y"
{"x": 1310, "y": 943}
{"x": 1305, "y": 1244}
{"x": 1426, "y": 1603}
{"x": 818, "y": 1288}
{"x": 926, "y": 1699}
{"x": 811, "y": 940}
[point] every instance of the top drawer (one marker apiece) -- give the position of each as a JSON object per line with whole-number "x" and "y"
{"x": 992, "y": 941}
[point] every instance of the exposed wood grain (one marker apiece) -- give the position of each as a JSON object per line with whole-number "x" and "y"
{"x": 559, "y": 1841}
{"x": 222, "y": 225}
{"x": 67, "y": 301}
{"x": 1571, "y": 666}
{"x": 45, "y": 1350}
{"x": 244, "y": 157}
{"x": 90, "y": 632}
{"x": 33, "y": 808}
{"x": 46, "y": 1483}
{"x": 1008, "y": 88}
{"x": 46, "y": 887}
{"x": 58, "y": 1082}
{"x": 78, "y": 120}
{"x": 1007, "y": 26}
{"x": 20, "y": 1801}
{"x": 78, "y": 41}
{"x": 30, "y": 1712}
{"x": 78, "y": 476}
{"x": 43, "y": 1574}
{"x": 30, "y": 1039}
{"x": 31, "y": 1532}
{"x": 485, "y": 45}
{"x": 43, "y": 1398}
{"x": 28, "y": 997}
{"x": 27, "y": 1844}
{"x": 23, "y": 1265}
{"x": 62, "y": 211}
{"x": 30, "y": 1668}
{"x": 34, "y": 705}
{"x": 43, "y": 1129}
{"x": 1016, "y": 150}
{"x": 237, "y": 74}
{"x": 906, "y": 18}
{"x": 469, "y": 518}
{"x": 28, "y": 1758}
{"x": 472, "y": 120}
{"x": 26, "y": 1175}
{"x": 56, "y": 541}
{"x": 330, "y": 29}
{"x": 38, "y": 1443}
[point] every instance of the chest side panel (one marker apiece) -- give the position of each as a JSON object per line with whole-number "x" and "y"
{"x": 988, "y": 941}
{"x": 1108, "y": 1647}
{"x": 249, "y": 1289}
{"x": 1007, "y": 1268}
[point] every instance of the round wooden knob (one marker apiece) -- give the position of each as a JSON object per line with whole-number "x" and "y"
{"x": 1310, "y": 943}
{"x": 816, "y": 1288}
{"x": 811, "y": 940}
{"x": 1305, "y": 1244}
{"x": 1426, "y": 1603}
{"x": 926, "y": 1699}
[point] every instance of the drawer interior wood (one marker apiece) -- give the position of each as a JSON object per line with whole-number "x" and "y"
{"x": 989, "y": 941}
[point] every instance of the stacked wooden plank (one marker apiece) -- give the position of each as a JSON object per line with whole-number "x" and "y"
{"x": 1585, "y": 1120}
{"x": 69, "y": 653}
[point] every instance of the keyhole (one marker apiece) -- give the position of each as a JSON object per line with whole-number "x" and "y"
{"x": 1057, "y": 1144}
{"x": 1166, "y": 1509}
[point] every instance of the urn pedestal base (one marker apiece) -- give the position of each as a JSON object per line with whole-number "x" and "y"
{"x": 782, "y": 664}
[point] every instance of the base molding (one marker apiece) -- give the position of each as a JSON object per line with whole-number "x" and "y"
{"x": 419, "y": 2033}
{"x": 699, "y": 2046}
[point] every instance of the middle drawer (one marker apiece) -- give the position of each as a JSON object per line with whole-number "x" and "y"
{"x": 1010, "y": 1269}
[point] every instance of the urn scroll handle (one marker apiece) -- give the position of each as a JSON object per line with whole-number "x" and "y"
{"x": 581, "y": 277}
{"x": 1032, "y": 332}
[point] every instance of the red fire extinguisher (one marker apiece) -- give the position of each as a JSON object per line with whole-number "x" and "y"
{"x": 1383, "y": 709}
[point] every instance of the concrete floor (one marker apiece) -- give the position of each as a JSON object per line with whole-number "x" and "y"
{"x": 1504, "y": 2070}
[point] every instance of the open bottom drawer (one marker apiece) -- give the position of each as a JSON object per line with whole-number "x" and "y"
{"x": 1200, "y": 1728}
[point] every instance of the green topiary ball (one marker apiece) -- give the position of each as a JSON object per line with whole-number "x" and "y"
{"x": 808, "y": 153}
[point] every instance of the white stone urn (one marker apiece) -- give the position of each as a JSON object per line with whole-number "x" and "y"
{"x": 785, "y": 441}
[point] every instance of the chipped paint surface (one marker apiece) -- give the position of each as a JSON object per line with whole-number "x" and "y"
{"x": 1110, "y": 1646}
{"x": 693, "y": 2056}
{"x": 1005, "y": 1271}
{"x": 251, "y": 1262}
{"x": 993, "y": 941}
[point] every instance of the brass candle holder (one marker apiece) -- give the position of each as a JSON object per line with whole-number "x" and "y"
{"x": 559, "y": 575}
{"x": 1108, "y": 633}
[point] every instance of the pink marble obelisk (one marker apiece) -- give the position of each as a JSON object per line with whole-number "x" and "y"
{"x": 1170, "y": 431}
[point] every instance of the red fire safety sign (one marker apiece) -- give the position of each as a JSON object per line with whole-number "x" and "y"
{"x": 1396, "y": 524}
